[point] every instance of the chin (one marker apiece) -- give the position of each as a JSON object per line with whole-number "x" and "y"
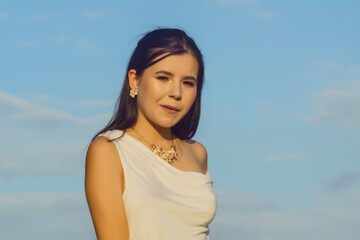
{"x": 167, "y": 123}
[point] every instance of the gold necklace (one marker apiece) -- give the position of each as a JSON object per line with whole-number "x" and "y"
{"x": 168, "y": 156}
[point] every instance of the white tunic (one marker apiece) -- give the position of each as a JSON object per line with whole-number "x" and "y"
{"x": 162, "y": 202}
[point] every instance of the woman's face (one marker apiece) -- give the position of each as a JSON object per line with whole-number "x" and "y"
{"x": 167, "y": 90}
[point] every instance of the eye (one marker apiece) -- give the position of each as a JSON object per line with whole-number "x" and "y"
{"x": 162, "y": 78}
{"x": 191, "y": 84}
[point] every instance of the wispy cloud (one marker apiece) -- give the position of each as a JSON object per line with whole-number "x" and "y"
{"x": 249, "y": 5}
{"x": 41, "y": 99}
{"x": 37, "y": 157}
{"x": 343, "y": 181}
{"x": 283, "y": 157}
{"x": 44, "y": 216}
{"x": 265, "y": 14}
{"x": 325, "y": 216}
{"x": 348, "y": 68}
{"x": 234, "y": 201}
{"x": 270, "y": 111}
{"x": 234, "y": 2}
{"x": 235, "y": 221}
{"x": 38, "y": 17}
{"x": 28, "y": 152}
{"x": 334, "y": 66}
{"x": 355, "y": 69}
{"x": 329, "y": 212}
{"x": 338, "y": 105}
{"x": 3, "y": 15}
{"x": 82, "y": 44}
{"x": 95, "y": 14}
{"x": 45, "y": 41}
{"x": 85, "y": 45}
{"x": 17, "y": 110}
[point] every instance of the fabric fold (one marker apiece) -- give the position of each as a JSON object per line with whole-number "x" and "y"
{"x": 161, "y": 201}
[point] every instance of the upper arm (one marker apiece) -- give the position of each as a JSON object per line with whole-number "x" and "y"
{"x": 103, "y": 188}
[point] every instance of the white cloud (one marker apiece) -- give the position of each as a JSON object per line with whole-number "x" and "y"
{"x": 27, "y": 43}
{"x": 250, "y": 5}
{"x": 32, "y": 156}
{"x": 334, "y": 66}
{"x": 234, "y": 2}
{"x": 43, "y": 216}
{"x": 234, "y": 201}
{"x": 330, "y": 213}
{"x": 81, "y": 44}
{"x": 338, "y": 105}
{"x": 39, "y": 98}
{"x": 17, "y": 110}
{"x": 324, "y": 217}
{"x": 45, "y": 41}
{"x": 265, "y": 14}
{"x": 355, "y": 69}
{"x": 62, "y": 38}
{"x": 349, "y": 68}
{"x": 343, "y": 181}
{"x": 38, "y": 17}
{"x": 42, "y": 141}
{"x": 283, "y": 157}
{"x": 3, "y": 15}
{"x": 269, "y": 111}
{"x": 94, "y": 14}
{"x": 84, "y": 45}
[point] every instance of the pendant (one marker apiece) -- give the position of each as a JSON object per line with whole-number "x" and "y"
{"x": 169, "y": 155}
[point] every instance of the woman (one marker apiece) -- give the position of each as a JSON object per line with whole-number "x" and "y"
{"x": 145, "y": 178}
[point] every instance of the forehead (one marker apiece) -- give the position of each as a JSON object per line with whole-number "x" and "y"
{"x": 184, "y": 64}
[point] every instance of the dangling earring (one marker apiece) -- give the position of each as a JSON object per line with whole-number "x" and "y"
{"x": 133, "y": 93}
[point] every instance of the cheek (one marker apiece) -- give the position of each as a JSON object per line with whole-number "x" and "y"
{"x": 191, "y": 97}
{"x": 152, "y": 89}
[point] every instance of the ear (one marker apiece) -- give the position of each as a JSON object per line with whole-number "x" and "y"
{"x": 133, "y": 79}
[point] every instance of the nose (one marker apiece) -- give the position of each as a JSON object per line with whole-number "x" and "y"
{"x": 175, "y": 91}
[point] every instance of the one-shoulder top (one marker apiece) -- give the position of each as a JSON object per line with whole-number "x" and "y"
{"x": 162, "y": 202}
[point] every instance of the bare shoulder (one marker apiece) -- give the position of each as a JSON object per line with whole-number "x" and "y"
{"x": 102, "y": 159}
{"x": 102, "y": 156}
{"x": 100, "y": 146}
{"x": 199, "y": 151}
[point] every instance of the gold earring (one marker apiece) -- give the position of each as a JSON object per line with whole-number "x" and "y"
{"x": 133, "y": 93}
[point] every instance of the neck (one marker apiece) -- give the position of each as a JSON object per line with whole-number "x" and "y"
{"x": 155, "y": 134}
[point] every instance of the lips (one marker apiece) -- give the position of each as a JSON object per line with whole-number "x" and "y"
{"x": 171, "y": 107}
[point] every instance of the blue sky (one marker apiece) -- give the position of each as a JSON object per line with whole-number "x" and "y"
{"x": 280, "y": 119}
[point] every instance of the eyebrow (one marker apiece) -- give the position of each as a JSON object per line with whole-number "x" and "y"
{"x": 171, "y": 75}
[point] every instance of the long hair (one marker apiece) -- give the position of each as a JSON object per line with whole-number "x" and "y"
{"x": 166, "y": 42}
